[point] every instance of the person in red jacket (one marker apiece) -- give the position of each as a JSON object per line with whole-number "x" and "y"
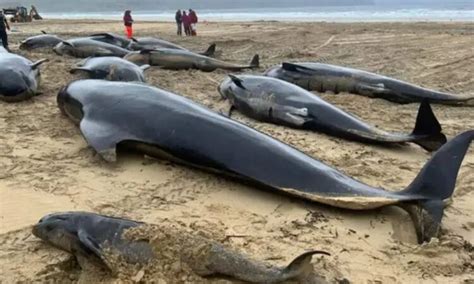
{"x": 128, "y": 22}
{"x": 186, "y": 23}
{"x": 194, "y": 21}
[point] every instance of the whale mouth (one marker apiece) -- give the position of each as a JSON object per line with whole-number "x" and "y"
{"x": 69, "y": 106}
{"x": 23, "y": 46}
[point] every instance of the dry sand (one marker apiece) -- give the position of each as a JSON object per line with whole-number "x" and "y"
{"x": 46, "y": 166}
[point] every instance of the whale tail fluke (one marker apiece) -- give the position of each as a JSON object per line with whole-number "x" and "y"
{"x": 210, "y": 50}
{"x": 255, "y": 63}
{"x": 300, "y": 265}
{"x": 428, "y": 129}
{"x": 434, "y": 184}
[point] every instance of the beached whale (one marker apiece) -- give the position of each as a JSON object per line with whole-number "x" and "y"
{"x": 87, "y": 47}
{"x": 93, "y": 238}
{"x": 152, "y": 43}
{"x": 142, "y": 43}
{"x": 176, "y": 59}
{"x": 40, "y": 41}
{"x": 114, "y": 39}
{"x": 164, "y": 125}
{"x": 325, "y": 77}
{"x": 111, "y": 68}
{"x": 19, "y": 77}
{"x": 280, "y": 102}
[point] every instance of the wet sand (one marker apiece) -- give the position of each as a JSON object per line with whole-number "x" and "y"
{"x": 46, "y": 166}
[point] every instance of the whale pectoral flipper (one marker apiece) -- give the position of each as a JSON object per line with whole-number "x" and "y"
{"x": 237, "y": 81}
{"x": 372, "y": 90}
{"x": 35, "y": 65}
{"x": 145, "y": 67}
{"x": 89, "y": 247}
{"x": 102, "y": 138}
{"x": 293, "y": 116}
{"x": 104, "y": 52}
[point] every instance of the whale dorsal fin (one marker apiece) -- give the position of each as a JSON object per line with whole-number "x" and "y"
{"x": 237, "y": 81}
{"x": 295, "y": 67}
{"x": 67, "y": 43}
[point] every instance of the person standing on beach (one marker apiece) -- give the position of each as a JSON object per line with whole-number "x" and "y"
{"x": 3, "y": 31}
{"x": 128, "y": 22}
{"x": 179, "y": 22}
{"x": 186, "y": 23}
{"x": 194, "y": 20}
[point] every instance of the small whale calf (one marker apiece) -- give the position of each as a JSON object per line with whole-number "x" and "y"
{"x": 93, "y": 238}
{"x": 111, "y": 68}
{"x": 325, "y": 77}
{"x": 40, "y": 41}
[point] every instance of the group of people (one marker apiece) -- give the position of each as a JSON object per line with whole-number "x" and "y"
{"x": 188, "y": 21}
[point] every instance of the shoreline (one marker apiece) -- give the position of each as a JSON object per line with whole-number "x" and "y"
{"x": 231, "y": 22}
{"x": 283, "y": 20}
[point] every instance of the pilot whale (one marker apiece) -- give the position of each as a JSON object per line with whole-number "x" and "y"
{"x": 164, "y": 125}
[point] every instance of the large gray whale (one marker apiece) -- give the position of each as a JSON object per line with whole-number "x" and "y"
{"x": 176, "y": 59}
{"x": 164, "y": 125}
{"x": 280, "y": 102}
{"x": 325, "y": 77}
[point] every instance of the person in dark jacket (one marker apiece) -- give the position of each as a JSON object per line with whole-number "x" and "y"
{"x": 194, "y": 21}
{"x": 128, "y": 22}
{"x": 186, "y": 23}
{"x": 179, "y": 22}
{"x": 3, "y": 30}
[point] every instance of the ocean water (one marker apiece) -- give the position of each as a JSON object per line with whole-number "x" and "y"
{"x": 302, "y": 14}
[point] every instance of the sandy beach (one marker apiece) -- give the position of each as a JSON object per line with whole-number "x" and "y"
{"x": 46, "y": 165}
